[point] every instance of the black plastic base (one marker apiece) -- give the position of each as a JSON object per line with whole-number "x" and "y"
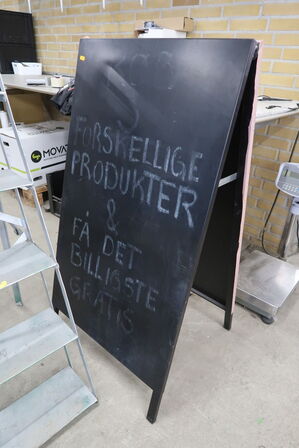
{"x": 267, "y": 320}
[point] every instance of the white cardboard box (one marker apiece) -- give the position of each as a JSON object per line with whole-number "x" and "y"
{"x": 160, "y": 33}
{"x": 27, "y": 68}
{"x": 45, "y": 147}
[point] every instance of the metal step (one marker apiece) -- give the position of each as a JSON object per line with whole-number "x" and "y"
{"x": 2, "y": 97}
{"x": 10, "y": 180}
{"x": 22, "y": 261}
{"x": 36, "y": 417}
{"x": 31, "y": 341}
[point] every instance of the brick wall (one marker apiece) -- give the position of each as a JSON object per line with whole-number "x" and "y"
{"x": 273, "y": 21}
{"x": 272, "y": 146}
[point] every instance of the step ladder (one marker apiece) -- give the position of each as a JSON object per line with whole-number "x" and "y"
{"x": 34, "y": 418}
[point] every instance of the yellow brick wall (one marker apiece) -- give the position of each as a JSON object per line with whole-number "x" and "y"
{"x": 276, "y": 22}
{"x": 272, "y": 146}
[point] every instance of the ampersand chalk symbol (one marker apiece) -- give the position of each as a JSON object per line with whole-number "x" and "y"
{"x": 111, "y": 207}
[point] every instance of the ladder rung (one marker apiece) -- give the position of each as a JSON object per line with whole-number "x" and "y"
{"x": 36, "y": 417}
{"x": 9, "y": 180}
{"x": 14, "y": 220}
{"x": 2, "y": 97}
{"x": 22, "y": 261}
{"x": 32, "y": 340}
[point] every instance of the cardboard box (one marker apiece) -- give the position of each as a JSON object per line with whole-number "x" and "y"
{"x": 27, "y": 107}
{"x": 27, "y": 68}
{"x": 45, "y": 147}
{"x": 173, "y": 23}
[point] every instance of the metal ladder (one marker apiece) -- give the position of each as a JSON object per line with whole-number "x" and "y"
{"x": 36, "y": 417}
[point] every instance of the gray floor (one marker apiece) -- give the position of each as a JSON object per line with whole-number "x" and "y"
{"x": 237, "y": 389}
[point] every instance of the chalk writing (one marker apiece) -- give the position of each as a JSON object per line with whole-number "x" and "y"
{"x": 112, "y": 265}
{"x": 118, "y": 251}
{"x": 161, "y": 69}
{"x": 135, "y": 149}
{"x": 127, "y": 100}
{"x": 111, "y": 207}
{"x": 132, "y": 290}
{"x": 107, "y": 305}
{"x": 149, "y": 183}
{"x": 84, "y": 229}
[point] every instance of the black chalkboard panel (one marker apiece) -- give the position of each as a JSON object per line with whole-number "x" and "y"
{"x": 17, "y": 41}
{"x": 151, "y": 126}
{"x": 223, "y": 233}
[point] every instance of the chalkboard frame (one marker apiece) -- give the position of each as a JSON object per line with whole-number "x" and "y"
{"x": 248, "y": 83}
{"x": 217, "y": 237}
{"x": 233, "y": 199}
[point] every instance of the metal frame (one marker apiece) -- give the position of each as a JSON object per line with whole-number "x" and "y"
{"x": 27, "y": 235}
{"x": 6, "y": 245}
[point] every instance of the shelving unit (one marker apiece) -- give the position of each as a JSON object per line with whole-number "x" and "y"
{"x": 37, "y": 416}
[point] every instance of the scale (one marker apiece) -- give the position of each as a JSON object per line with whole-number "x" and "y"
{"x": 265, "y": 282}
{"x": 287, "y": 181}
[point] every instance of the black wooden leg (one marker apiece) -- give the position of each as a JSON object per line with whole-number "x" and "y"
{"x": 154, "y": 405}
{"x": 228, "y": 317}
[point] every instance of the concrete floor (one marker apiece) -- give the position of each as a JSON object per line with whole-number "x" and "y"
{"x": 237, "y": 389}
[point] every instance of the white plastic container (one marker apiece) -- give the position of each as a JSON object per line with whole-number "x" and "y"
{"x": 27, "y": 68}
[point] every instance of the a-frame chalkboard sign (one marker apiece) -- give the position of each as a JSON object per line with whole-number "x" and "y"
{"x": 153, "y": 132}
